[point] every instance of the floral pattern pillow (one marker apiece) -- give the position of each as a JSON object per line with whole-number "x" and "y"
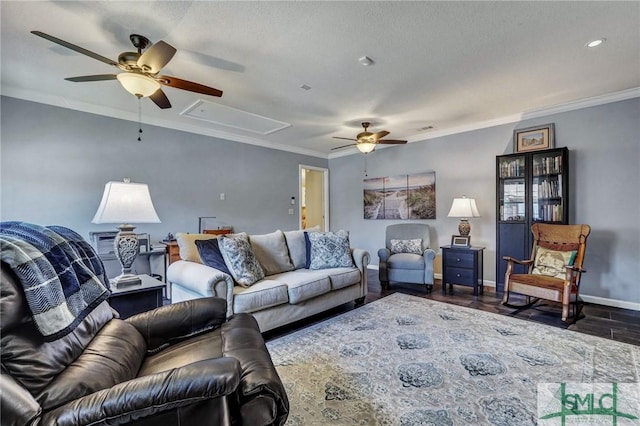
{"x": 240, "y": 259}
{"x": 329, "y": 250}
{"x": 406, "y": 246}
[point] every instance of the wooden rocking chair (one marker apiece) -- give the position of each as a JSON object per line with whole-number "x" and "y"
{"x": 554, "y": 270}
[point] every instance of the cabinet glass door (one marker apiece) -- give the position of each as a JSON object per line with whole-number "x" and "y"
{"x": 512, "y": 191}
{"x": 547, "y": 187}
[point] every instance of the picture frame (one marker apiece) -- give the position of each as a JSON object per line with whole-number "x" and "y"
{"x": 145, "y": 243}
{"x": 534, "y": 138}
{"x": 461, "y": 241}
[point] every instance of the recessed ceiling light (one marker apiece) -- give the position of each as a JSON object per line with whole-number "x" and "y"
{"x": 365, "y": 61}
{"x": 596, "y": 43}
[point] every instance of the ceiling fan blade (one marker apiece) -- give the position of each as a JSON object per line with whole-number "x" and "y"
{"x": 160, "y": 99}
{"x": 97, "y": 77}
{"x": 156, "y": 57}
{"x": 381, "y": 134}
{"x": 346, "y": 139}
{"x": 391, "y": 142}
{"x": 188, "y": 85}
{"x": 74, "y": 47}
{"x": 344, "y": 146}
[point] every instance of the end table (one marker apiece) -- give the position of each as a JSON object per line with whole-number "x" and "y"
{"x": 463, "y": 266}
{"x": 139, "y": 298}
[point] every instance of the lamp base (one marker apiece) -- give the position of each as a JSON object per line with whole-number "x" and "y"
{"x": 126, "y": 248}
{"x": 125, "y": 280}
{"x": 464, "y": 228}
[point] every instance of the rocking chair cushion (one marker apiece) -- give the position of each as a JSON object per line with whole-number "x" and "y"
{"x": 552, "y": 262}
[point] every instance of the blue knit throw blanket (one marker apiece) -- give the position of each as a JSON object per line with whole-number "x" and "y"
{"x": 62, "y": 276}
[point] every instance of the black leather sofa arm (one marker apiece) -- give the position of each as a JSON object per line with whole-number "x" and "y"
{"x": 262, "y": 395}
{"x": 17, "y": 406}
{"x": 149, "y": 395}
{"x": 172, "y": 323}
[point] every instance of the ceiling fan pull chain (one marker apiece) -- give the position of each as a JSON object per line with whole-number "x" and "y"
{"x": 139, "y": 119}
{"x": 365, "y": 164}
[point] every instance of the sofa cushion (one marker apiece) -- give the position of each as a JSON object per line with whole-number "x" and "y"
{"x": 240, "y": 259}
{"x": 297, "y": 246}
{"x": 304, "y": 284}
{"x": 261, "y": 295}
{"x": 407, "y": 246}
{"x": 343, "y": 277}
{"x": 271, "y": 251}
{"x": 197, "y": 348}
{"x": 328, "y": 250}
{"x": 210, "y": 254}
{"x": 405, "y": 261}
{"x": 187, "y": 244}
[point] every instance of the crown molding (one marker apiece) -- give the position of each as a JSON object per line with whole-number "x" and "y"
{"x": 64, "y": 102}
{"x": 541, "y": 112}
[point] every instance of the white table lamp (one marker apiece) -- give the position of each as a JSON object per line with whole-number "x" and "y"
{"x": 464, "y": 208}
{"x": 126, "y": 203}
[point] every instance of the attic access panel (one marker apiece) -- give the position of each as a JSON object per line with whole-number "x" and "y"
{"x": 234, "y": 118}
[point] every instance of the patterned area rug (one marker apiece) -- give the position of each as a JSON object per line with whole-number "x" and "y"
{"x": 404, "y": 360}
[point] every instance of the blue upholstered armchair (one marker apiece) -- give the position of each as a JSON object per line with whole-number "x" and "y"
{"x": 407, "y": 257}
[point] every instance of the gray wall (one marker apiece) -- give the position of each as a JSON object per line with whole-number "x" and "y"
{"x": 55, "y": 162}
{"x": 604, "y": 144}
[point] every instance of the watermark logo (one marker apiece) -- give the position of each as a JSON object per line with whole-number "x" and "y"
{"x": 569, "y": 404}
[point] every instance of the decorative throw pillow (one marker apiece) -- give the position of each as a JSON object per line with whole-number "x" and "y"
{"x": 297, "y": 246}
{"x": 328, "y": 250}
{"x": 406, "y": 246}
{"x": 239, "y": 258}
{"x": 271, "y": 251}
{"x": 552, "y": 262}
{"x": 187, "y": 244}
{"x": 210, "y": 254}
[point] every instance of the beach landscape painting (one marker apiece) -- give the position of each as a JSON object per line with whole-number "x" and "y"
{"x": 400, "y": 197}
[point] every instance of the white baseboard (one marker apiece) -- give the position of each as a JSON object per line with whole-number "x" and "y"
{"x": 610, "y": 302}
{"x": 623, "y": 304}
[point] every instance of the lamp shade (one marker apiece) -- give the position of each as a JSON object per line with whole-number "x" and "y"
{"x": 365, "y": 147}
{"x": 137, "y": 84}
{"x": 464, "y": 207}
{"x": 126, "y": 202}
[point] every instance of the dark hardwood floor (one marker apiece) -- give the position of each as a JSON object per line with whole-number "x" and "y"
{"x": 618, "y": 324}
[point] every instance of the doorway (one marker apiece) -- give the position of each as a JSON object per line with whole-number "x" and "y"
{"x": 314, "y": 197}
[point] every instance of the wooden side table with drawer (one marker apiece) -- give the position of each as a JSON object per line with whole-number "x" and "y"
{"x": 463, "y": 266}
{"x": 173, "y": 251}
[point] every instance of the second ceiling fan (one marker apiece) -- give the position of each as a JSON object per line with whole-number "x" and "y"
{"x": 366, "y": 141}
{"x": 140, "y": 76}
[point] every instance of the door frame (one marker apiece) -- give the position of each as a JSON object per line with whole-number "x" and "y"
{"x": 325, "y": 193}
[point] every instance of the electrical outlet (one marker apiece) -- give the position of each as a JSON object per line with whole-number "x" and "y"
{"x": 290, "y": 211}
{"x": 222, "y": 196}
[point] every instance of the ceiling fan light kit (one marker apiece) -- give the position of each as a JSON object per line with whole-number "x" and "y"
{"x": 367, "y": 141}
{"x": 138, "y": 85}
{"x": 140, "y": 70}
{"x": 365, "y": 147}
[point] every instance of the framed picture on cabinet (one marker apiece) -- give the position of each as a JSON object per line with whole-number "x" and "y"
{"x": 534, "y": 138}
{"x": 460, "y": 241}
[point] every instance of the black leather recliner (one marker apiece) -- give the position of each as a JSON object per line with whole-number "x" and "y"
{"x": 182, "y": 364}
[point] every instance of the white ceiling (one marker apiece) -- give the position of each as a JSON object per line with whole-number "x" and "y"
{"x": 451, "y": 65}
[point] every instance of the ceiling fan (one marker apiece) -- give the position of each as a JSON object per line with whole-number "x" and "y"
{"x": 367, "y": 141}
{"x": 140, "y": 76}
